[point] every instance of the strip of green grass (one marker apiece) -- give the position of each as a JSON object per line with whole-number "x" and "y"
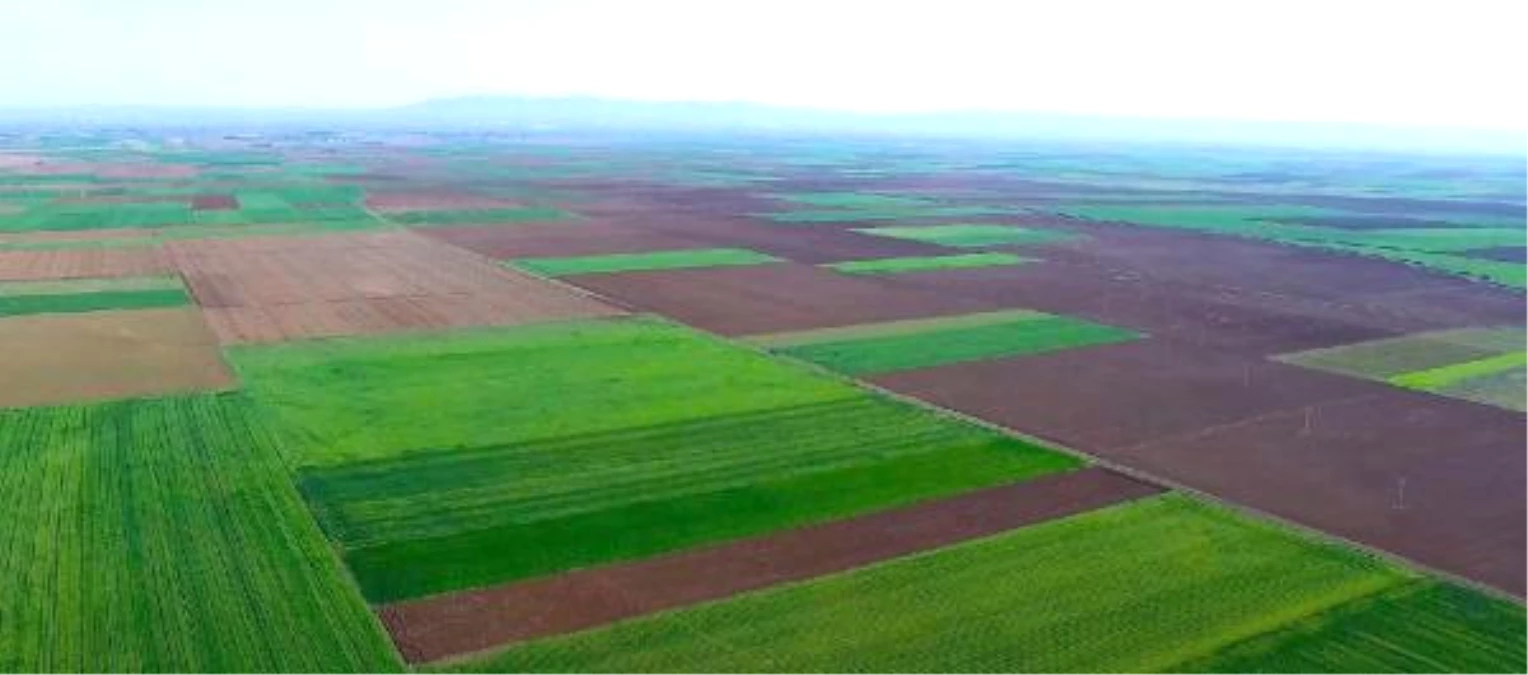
{"x": 164, "y": 535}
{"x": 1444, "y": 376}
{"x": 963, "y": 236}
{"x": 71, "y": 286}
{"x": 655, "y": 260}
{"x": 945, "y": 346}
{"x": 924, "y": 263}
{"x": 62, "y": 303}
{"x": 891, "y": 328}
{"x": 480, "y": 216}
{"x": 1421, "y": 627}
{"x": 1508, "y": 389}
{"x": 645, "y": 527}
{"x": 1138, "y": 587}
{"x": 1388, "y": 357}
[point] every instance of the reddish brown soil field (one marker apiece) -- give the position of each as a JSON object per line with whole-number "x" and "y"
{"x": 280, "y": 288}
{"x": 1133, "y": 392}
{"x": 592, "y": 238}
{"x": 447, "y": 625}
{"x": 70, "y": 358}
{"x": 78, "y": 263}
{"x": 394, "y": 202}
{"x": 1502, "y": 253}
{"x": 772, "y": 298}
{"x": 214, "y": 203}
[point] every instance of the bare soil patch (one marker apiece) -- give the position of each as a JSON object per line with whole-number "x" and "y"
{"x": 773, "y": 298}
{"x": 574, "y": 240}
{"x": 75, "y": 263}
{"x": 267, "y": 289}
{"x": 447, "y": 625}
{"x": 434, "y": 200}
{"x": 214, "y": 203}
{"x": 70, "y": 358}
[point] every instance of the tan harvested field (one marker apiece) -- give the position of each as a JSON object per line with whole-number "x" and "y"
{"x": 70, "y": 358}
{"x": 268, "y": 289}
{"x": 77, "y": 263}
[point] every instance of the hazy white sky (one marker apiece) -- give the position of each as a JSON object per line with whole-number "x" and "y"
{"x": 1452, "y": 62}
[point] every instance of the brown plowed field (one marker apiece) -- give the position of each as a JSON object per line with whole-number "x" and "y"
{"x": 772, "y": 298}
{"x": 280, "y": 288}
{"x": 593, "y": 238}
{"x": 70, "y": 358}
{"x": 433, "y": 200}
{"x": 76, "y": 263}
{"x": 214, "y": 203}
{"x": 447, "y": 625}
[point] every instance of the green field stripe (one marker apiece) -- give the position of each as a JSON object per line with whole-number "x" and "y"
{"x": 60, "y": 303}
{"x": 414, "y": 568}
{"x": 1507, "y": 389}
{"x": 357, "y": 399}
{"x": 437, "y": 494}
{"x": 946, "y": 346}
{"x": 164, "y": 535}
{"x": 890, "y": 328}
{"x": 1139, "y": 587}
{"x": 479, "y": 216}
{"x": 1385, "y": 358}
{"x": 68, "y": 286}
{"x": 971, "y": 235}
{"x": 1420, "y": 627}
{"x": 1437, "y": 378}
{"x": 71, "y": 244}
{"x": 635, "y": 262}
{"x": 923, "y": 263}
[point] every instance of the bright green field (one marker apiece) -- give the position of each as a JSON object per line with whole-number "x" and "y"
{"x": 97, "y": 216}
{"x": 1484, "y": 365}
{"x": 654, "y": 260}
{"x": 963, "y": 236}
{"x": 925, "y": 263}
{"x": 165, "y": 535}
{"x": 1419, "y": 627}
{"x": 59, "y": 303}
{"x": 940, "y": 346}
{"x": 458, "y": 460}
{"x": 892, "y": 328}
{"x": 1138, "y": 587}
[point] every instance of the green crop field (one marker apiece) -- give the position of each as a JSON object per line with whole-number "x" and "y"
{"x": 940, "y": 345}
{"x": 97, "y": 216}
{"x": 971, "y": 235}
{"x": 653, "y": 260}
{"x": 926, "y": 263}
{"x": 165, "y": 535}
{"x": 441, "y": 462}
{"x": 89, "y": 295}
{"x": 1141, "y": 587}
{"x": 1419, "y": 627}
{"x": 856, "y": 200}
{"x": 1484, "y": 365}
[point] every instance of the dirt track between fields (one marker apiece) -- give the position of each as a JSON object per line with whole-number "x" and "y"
{"x": 459, "y": 623}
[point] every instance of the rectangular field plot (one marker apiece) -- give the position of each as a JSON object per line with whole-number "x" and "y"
{"x": 1419, "y": 627}
{"x": 521, "y": 214}
{"x": 164, "y": 535}
{"x": 928, "y": 263}
{"x": 89, "y": 295}
{"x": 636, "y": 262}
{"x": 459, "y": 460}
{"x": 971, "y": 236}
{"x": 1484, "y": 365}
{"x": 905, "y": 345}
{"x": 1141, "y": 587}
{"x": 269, "y": 289}
{"x": 79, "y": 262}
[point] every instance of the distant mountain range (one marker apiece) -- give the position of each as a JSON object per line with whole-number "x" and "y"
{"x": 608, "y": 115}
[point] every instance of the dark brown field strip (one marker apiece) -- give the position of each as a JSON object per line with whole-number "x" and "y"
{"x": 435, "y": 628}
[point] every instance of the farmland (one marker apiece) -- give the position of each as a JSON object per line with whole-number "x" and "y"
{"x": 370, "y": 401}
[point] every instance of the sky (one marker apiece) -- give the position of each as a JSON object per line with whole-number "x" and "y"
{"x": 1446, "y": 63}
